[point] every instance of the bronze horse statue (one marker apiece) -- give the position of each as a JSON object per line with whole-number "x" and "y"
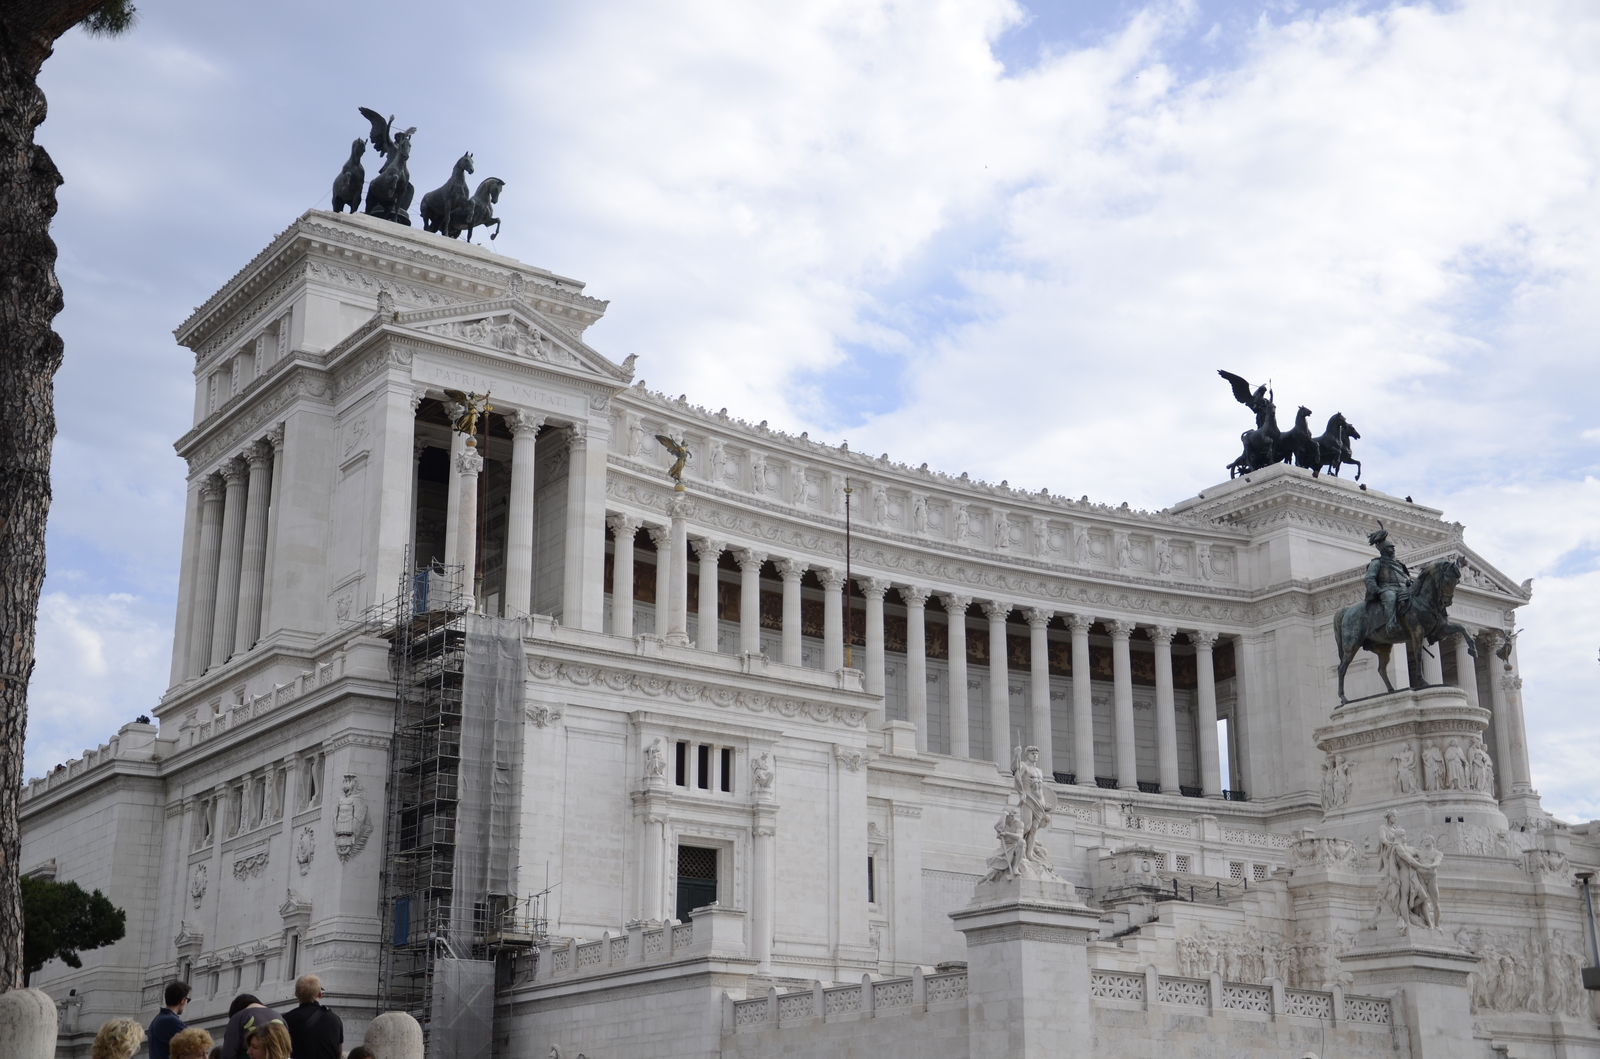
{"x": 1300, "y": 446}
{"x": 441, "y": 203}
{"x": 1334, "y": 445}
{"x": 351, "y": 179}
{"x": 477, "y": 211}
{"x": 389, "y": 194}
{"x": 1421, "y": 618}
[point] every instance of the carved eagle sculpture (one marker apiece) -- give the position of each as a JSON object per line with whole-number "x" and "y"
{"x": 473, "y": 405}
{"x": 681, "y": 451}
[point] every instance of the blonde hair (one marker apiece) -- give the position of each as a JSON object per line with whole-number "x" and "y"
{"x": 192, "y": 1041}
{"x": 275, "y": 1037}
{"x": 307, "y": 988}
{"x": 117, "y": 1039}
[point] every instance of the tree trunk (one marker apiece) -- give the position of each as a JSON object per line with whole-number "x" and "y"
{"x": 30, "y": 353}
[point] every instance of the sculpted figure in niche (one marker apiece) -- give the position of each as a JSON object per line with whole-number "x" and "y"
{"x": 1341, "y": 780}
{"x": 1163, "y": 556}
{"x": 655, "y": 764}
{"x": 352, "y": 823}
{"x": 1432, "y": 767}
{"x": 1482, "y": 769}
{"x": 1202, "y": 559}
{"x": 719, "y": 461}
{"x": 761, "y": 771}
{"x": 963, "y": 523}
{"x": 1409, "y": 877}
{"x": 1080, "y": 543}
{"x": 919, "y": 514}
{"x": 1405, "y": 774}
{"x": 880, "y": 505}
{"x": 1041, "y": 536}
{"x": 758, "y": 473}
{"x": 797, "y": 485}
{"x": 1124, "y": 552}
{"x": 1455, "y": 766}
{"x": 1035, "y": 801}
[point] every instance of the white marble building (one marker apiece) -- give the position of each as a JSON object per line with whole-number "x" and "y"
{"x": 691, "y": 734}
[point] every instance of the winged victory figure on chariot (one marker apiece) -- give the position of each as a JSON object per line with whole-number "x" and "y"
{"x": 1266, "y": 444}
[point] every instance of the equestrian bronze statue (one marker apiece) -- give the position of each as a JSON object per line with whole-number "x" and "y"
{"x": 1398, "y": 609}
{"x": 1266, "y": 444}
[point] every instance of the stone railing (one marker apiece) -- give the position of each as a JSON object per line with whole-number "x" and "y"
{"x": 1213, "y": 995}
{"x": 715, "y": 932}
{"x": 232, "y": 715}
{"x": 873, "y": 997}
{"x": 133, "y": 742}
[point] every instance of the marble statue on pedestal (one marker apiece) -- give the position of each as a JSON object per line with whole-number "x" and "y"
{"x": 1409, "y": 887}
{"x": 655, "y": 764}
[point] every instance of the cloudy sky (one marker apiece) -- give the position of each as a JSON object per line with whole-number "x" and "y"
{"x": 1014, "y": 239}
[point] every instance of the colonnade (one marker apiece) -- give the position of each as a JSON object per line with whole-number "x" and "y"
{"x": 231, "y": 570}
{"x": 671, "y": 592}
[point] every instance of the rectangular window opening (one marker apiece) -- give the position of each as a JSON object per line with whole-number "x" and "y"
{"x": 727, "y": 770}
{"x": 872, "y": 881}
{"x": 702, "y": 769}
{"x": 697, "y": 879}
{"x": 680, "y": 774}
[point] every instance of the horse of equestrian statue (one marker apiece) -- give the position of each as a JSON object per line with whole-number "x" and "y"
{"x": 389, "y": 194}
{"x": 440, "y": 204}
{"x": 351, "y": 179}
{"x": 1398, "y": 610}
{"x": 478, "y": 211}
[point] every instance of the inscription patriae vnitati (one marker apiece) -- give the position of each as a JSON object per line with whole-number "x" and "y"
{"x": 509, "y": 392}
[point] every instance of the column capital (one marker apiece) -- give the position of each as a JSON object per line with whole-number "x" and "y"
{"x": 1163, "y": 634}
{"x": 678, "y": 506}
{"x": 748, "y": 558}
{"x": 1511, "y": 683}
{"x": 417, "y": 396}
{"x": 523, "y": 423}
{"x": 955, "y": 604}
{"x": 706, "y": 548}
{"x": 873, "y": 587}
{"x": 577, "y": 438}
{"x": 831, "y": 579}
{"x": 623, "y": 525}
{"x": 274, "y": 437}
{"x": 469, "y": 462}
{"x": 234, "y": 470}
{"x": 1490, "y": 638}
{"x": 791, "y": 569}
{"x": 211, "y": 487}
{"x": 914, "y": 595}
{"x": 995, "y": 609}
{"x": 257, "y": 455}
{"x": 1038, "y": 617}
{"x": 660, "y": 536}
{"x": 1203, "y": 639}
{"x": 1080, "y": 622}
{"x": 1119, "y": 628}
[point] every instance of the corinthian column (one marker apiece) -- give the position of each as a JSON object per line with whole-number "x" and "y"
{"x": 678, "y": 591}
{"x": 223, "y": 627}
{"x": 874, "y": 588}
{"x": 916, "y": 600}
{"x": 623, "y": 527}
{"x": 205, "y": 587}
{"x": 468, "y": 466}
{"x": 1521, "y": 775}
{"x": 955, "y": 608}
{"x": 519, "y": 514}
{"x": 999, "y": 681}
{"x": 709, "y": 552}
{"x": 1039, "y": 681}
{"x": 661, "y": 537}
{"x": 1082, "y": 700}
{"x": 1166, "y": 711}
{"x": 1466, "y": 668}
{"x": 791, "y": 570}
{"x": 253, "y": 558}
{"x": 832, "y": 618}
{"x": 1206, "y": 712}
{"x": 749, "y": 562}
{"x": 1122, "y": 705}
{"x": 1500, "y": 712}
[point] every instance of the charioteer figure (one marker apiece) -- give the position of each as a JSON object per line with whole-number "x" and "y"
{"x": 1388, "y": 579}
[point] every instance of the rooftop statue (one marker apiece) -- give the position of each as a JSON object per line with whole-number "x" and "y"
{"x": 351, "y": 179}
{"x": 479, "y": 210}
{"x": 465, "y": 410}
{"x": 1398, "y": 609}
{"x": 681, "y": 451}
{"x": 1267, "y": 444}
{"x": 440, "y": 203}
{"x": 389, "y": 195}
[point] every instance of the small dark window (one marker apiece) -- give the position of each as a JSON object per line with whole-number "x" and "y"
{"x": 727, "y": 770}
{"x": 702, "y": 778}
{"x": 872, "y": 882}
{"x": 697, "y": 879}
{"x": 681, "y": 774}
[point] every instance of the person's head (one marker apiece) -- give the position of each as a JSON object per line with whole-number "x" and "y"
{"x": 177, "y": 995}
{"x": 192, "y": 1043}
{"x": 1387, "y": 549}
{"x": 268, "y": 1042}
{"x": 117, "y": 1039}
{"x": 308, "y": 989}
{"x": 216, "y": 1051}
{"x": 242, "y": 1001}
{"x": 360, "y": 1051}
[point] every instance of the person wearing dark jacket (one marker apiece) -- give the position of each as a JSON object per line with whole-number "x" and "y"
{"x": 169, "y": 1020}
{"x": 315, "y": 1031}
{"x": 245, "y": 1014}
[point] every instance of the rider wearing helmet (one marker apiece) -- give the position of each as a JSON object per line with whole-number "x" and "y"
{"x": 1388, "y": 580}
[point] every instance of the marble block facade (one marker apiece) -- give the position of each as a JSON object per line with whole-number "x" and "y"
{"x": 755, "y": 800}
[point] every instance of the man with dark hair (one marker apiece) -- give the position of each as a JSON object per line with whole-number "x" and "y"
{"x": 245, "y": 1014}
{"x": 316, "y": 1032}
{"x": 169, "y": 1019}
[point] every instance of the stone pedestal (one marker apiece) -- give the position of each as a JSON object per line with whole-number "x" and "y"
{"x": 1028, "y": 970}
{"x": 1368, "y": 744}
{"x": 1427, "y": 976}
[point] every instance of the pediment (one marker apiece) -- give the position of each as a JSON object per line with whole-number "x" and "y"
{"x": 512, "y": 327}
{"x": 1477, "y": 572}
